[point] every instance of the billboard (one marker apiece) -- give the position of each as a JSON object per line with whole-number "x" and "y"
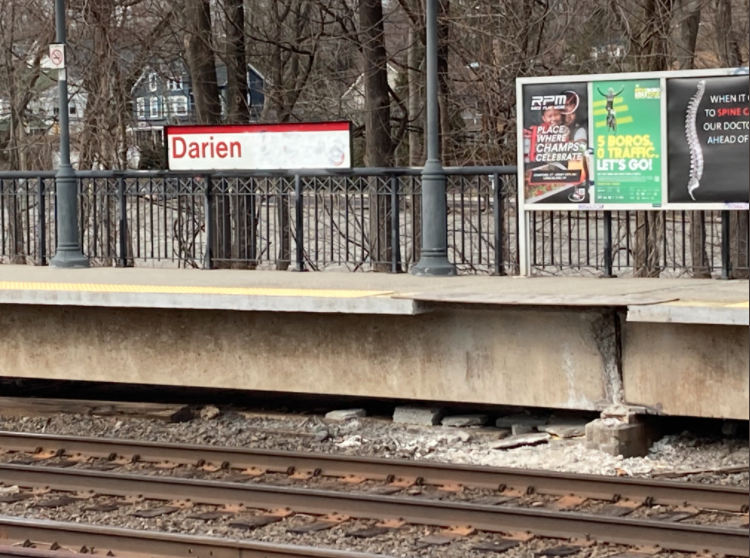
{"x": 555, "y": 139}
{"x": 627, "y": 141}
{"x": 247, "y": 147}
{"x": 659, "y": 140}
{"x": 708, "y": 139}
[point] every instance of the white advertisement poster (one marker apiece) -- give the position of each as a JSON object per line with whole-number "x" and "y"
{"x": 306, "y": 146}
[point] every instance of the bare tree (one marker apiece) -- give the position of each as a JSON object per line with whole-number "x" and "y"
{"x": 379, "y": 144}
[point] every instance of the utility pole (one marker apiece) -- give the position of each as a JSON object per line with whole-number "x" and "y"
{"x": 69, "y": 252}
{"x": 434, "y": 256}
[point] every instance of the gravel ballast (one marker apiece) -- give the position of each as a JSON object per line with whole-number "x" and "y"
{"x": 384, "y": 439}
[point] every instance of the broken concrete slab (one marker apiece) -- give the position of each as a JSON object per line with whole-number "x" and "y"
{"x": 463, "y": 421}
{"x": 521, "y": 419}
{"x": 616, "y": 438}
{"x": 519, "y": 441}
{"x": 503, "y": 433}
{"x": 566, "y": 428}
{"x": 521, "y": 429}
{"x": 425, "y": 416}
{"x": 346, "y": 414}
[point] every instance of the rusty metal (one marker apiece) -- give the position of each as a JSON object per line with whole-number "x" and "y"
{"x": 497, "y": 519}
{"x": 148, "y": 543}
{"x": 397, "y": 472}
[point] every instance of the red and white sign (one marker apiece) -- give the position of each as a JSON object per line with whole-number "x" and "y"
{"x": 57, "y": 56}
{"x": 325, "y": 145}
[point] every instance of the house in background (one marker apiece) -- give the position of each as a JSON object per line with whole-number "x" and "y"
{"x": 163, "y": 96}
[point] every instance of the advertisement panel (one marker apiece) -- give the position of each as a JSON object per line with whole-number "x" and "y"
{"x": 555, "y": 139}
{"x": 627, "y": 140}
{"x": 307, "y": 146}
{"x": 639, "y": 141}
{"x": 708, "y": 123}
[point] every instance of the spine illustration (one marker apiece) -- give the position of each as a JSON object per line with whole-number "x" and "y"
{"x": 691, "y": 133}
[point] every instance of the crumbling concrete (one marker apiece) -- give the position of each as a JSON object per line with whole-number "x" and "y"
{"x": 347, "y": 414}
{"x": 464, "y": 421}
{"x": 615, "y": 437}
{"x": 425, "y": 416}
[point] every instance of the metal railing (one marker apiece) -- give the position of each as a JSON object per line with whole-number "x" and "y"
{"x": 359, "y": 220}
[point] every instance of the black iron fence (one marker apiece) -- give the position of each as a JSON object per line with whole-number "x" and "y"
{"x": 361, "y": 220}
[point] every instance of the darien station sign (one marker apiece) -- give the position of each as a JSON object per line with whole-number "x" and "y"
{"x": 305, "y": 146}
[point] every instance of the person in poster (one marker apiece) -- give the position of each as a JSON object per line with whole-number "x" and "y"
{"x": 708, "y": 121}
{"x": 555, "y": 141}
{"x": 627, "y": 141}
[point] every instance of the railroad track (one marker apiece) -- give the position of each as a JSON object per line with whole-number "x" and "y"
{"x": 396, "y": 472}
{"x": 24, "y": 538}
{"x": 67, "y": 460}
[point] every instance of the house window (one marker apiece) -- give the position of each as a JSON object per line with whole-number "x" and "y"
{"x": 154, "y": 108}
{"x": 180, "y": 106}
{"x": 141, "y": 108}
{"x": 175, "y": 84}
{"x": 73, "y": 110}
{"x": 153, "y": 82}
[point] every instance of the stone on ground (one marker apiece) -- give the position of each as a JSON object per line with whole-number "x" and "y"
{"x": 566, "y": 428}
{"x": 513, "y": 420}
{"x": 518, "y": 441}
{"x": 521, "y": 429}
{"x": 426, "y": 416}
{"x": 347, "y": 414}
{"x": 616, "y": 438}
{"x": 210, "y": 412}
{"x": 462, "y": 421}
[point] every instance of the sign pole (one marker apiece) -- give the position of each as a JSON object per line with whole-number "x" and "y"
{"x": 434, "y": 255}
{"x": 69, "y": 254}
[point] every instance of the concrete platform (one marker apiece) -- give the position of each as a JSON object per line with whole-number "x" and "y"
{"x": 647, "y": 300}
{"x": 677, "y": 347}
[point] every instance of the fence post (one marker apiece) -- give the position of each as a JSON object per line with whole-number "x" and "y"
{"x": 726, "y": 254}
{"x": 608, "y": 245}
{"x": 123, "y": 228}
{"x": 395, "y": 226}
{"x": 210, "y": 225}
{"x": 299, "y": 224}
{"x": 498, "y": 184}
{"x": 42, "y": 223}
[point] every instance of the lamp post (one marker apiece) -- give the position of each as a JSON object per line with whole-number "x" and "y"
{"x": 69, "y": 252}
{"x": 434, "y": 255}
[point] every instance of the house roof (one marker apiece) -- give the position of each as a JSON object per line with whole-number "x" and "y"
{"x": 221, "y": 71}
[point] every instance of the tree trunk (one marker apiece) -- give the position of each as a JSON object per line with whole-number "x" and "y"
{"x": 444, "y": 79}
{"x": 688, "y": 18}
{"x": 238, "y": 112}
{"x": 202, "y": 63}
{"x": 728, "y": 48}
{"x": 688, "y": 15}
{"x": 416, "y": 117}
{"x": 237, "y": 91}
{"x": 416, "y": 128}
{"x": 654, "y": 57}
{"x": 378, "y": 140}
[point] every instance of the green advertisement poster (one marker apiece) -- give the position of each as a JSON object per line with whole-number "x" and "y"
{"x": 627, "y": 142}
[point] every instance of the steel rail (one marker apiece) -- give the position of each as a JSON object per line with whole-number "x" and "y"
{"x": 8, "y": 550}
{"x": 497, "y": 519}
{"x": 150, "y": 543}
{"x": 714, "y": 497}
